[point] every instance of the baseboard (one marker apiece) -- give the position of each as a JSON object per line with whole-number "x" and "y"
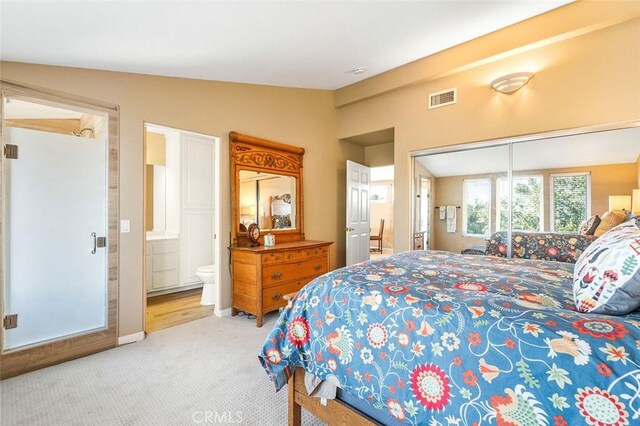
{"x": 224, "y": 313}
{"x": 131, "y": 338}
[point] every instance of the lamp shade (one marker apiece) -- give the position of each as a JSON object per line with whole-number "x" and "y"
{"x": 619, "y": 202}
{"x": 635, "y": 204}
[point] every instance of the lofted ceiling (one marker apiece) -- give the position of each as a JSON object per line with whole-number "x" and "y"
{"x": 311, "y": 44}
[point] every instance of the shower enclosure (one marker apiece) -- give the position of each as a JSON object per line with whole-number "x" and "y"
{"x": 59, "y": 234}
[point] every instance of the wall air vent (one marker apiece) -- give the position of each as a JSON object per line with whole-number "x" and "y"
{"x": 443, "y": 98}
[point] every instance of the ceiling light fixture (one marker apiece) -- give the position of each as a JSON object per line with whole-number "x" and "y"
{"x": 511, "y": 82}
{"x": 358, "y": 70}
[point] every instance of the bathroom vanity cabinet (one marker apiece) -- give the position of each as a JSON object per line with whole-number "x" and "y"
{"x": 263, "y": 275}
{"x": 163, "y": 264}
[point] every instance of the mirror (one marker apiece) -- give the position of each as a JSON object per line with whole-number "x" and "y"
{"x": 558, "y": 185}
{"x": 267, "y": 199}
{"x": 266, "y": 188}
{"x": 162, "y": 191}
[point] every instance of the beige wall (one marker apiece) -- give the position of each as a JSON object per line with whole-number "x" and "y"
{"x": 578, "y": 53}
{"x": 611, "y": 179}
{"x": 299, "y": 117}
{"x": 378, "y": 155}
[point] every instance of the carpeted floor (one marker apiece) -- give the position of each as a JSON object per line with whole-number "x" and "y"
{"x": 203, "y": 372}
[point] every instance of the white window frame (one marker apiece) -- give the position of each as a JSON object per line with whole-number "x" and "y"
{"x": 541, "y": 177}
{"x": 464, "y": 207}
{"x": 552, "y": 203}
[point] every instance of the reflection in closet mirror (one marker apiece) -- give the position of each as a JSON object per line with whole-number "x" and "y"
{"x": 554, "y": 186}
{"x": 462, "y": 194}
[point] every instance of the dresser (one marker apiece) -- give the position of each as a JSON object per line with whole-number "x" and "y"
{"x": 263, "y": 275}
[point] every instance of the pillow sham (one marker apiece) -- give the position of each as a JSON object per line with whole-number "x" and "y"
{"x": 609, "y": 221}
{"x": 606, "y": 279}
{"x": 589, "y": 226}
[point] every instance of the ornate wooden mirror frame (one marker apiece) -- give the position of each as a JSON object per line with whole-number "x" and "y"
{"x": 260, "y": 155}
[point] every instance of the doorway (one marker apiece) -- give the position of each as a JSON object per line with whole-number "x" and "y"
{"x": 59, "y": 235}
{"x": 381, "y": 208}
{"x": 182, "y": 250}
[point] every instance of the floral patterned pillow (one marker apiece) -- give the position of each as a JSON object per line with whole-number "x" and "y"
{"x": 606, "y": 279}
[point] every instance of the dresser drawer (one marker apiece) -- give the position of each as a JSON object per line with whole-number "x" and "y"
{"x": 305, "y": 254}
{"x": 272, "y": 258}
{"x": 276, "y": 274}
{"x": 320, "y": 251}
{"x": 272, "y": 296}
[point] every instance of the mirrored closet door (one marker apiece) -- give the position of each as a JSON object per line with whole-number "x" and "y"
{"x": 545, "y": 195}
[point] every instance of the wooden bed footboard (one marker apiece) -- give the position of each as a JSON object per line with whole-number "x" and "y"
{"x": 335, "y": 412}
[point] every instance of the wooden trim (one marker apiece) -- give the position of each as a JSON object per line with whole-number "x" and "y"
{"x": 252, "y": 140}
{"x": 335, "y": 412}
{"x": 250, "y": 153}
{"x": 20, "y": 361}
{"x": 64, "y": 126}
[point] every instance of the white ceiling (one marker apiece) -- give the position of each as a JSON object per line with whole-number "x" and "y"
{"x": 611, "y": 147}
{"x": 313, "y": 44}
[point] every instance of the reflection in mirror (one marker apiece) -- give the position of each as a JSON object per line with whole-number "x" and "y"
{"x": 455, "y": 197}
{"x": 557, "y": 188}
{"x": 577, "y": 175}
{"x": 268, "y": 200}
{"x": 162, "y": 197}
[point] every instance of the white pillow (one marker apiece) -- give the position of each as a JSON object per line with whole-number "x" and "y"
{"x": 606, "y": 278}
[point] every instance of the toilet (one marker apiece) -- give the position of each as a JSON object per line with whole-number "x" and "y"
{"x": 207, "y": 275}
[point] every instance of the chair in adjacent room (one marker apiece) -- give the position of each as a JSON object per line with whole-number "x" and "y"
{"x": 377, "y": 238}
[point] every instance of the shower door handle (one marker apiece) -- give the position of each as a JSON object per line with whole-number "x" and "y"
{"x": 98, "y": 242}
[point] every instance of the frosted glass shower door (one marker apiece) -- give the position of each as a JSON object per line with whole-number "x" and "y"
{"x": 55, "y": 199}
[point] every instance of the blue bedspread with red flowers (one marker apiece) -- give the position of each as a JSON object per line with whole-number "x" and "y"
{"x": 445, "y": 339}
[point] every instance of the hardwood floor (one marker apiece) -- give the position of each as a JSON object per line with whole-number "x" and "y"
{"x": 174, "y": 309}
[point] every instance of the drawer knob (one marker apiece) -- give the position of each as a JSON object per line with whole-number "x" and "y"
{"x": 317, "y": 267}
{"x": 276, "y": 275}
{"x": 276, "y": 296}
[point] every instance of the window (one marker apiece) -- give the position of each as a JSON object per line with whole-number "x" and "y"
{"x": 570, "y": 201}
{"x": 526, "y": 204}
{"x": 476, "y": 211}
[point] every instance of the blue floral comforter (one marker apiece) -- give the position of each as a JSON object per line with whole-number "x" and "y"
{"x": 445, "y": 339}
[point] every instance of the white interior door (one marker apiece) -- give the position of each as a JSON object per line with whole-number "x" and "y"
{"x": 198, "y": 204}
{"x": 55, "y": 199}
{"x": 357, "y": 228}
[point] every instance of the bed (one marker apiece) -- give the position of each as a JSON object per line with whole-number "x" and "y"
{"x": 428, "y": 337}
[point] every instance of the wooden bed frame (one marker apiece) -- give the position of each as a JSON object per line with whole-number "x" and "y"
{"x": 335, "y": 412}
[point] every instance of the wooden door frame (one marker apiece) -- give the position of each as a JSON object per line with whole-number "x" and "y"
{"x": 22, "y": 360}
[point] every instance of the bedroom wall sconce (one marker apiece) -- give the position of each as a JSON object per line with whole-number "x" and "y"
{"x": 619, "y": 202}
{"x": 635, "y": 204}
{"x": 511, "y": 82}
